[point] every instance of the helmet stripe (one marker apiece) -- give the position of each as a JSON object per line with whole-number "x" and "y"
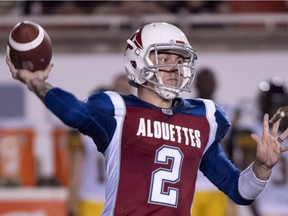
{"x": 27, "y": 46}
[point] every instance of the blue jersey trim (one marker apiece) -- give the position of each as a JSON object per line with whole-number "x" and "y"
{"x": 222, "y": 173}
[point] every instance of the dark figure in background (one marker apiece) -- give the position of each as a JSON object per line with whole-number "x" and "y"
{"x": 272, "y": 95}
{"x": 205, "y": 84}
{"x": 206, "y": 193}
{"x": 61, "y": 7}
{"x": 196, "y": 7}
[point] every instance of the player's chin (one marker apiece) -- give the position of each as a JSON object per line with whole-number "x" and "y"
{"x": 172, "y": 82}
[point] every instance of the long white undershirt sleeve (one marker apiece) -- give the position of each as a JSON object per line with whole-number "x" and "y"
{"x": 249, "y": 185}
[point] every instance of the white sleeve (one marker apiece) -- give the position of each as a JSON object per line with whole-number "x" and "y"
{"x": 249, "y": 185}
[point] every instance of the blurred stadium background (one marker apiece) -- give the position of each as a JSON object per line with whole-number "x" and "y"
{"x": 245, "y": 42}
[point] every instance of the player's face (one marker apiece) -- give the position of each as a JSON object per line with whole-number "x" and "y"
{"x": 167, "y": 64}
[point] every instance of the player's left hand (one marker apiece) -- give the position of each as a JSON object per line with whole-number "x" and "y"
{"x": 269, "y": 148}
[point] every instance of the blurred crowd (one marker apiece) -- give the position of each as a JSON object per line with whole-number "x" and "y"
{"x": 139, "y": 7}
{"x": 246, "y": 118}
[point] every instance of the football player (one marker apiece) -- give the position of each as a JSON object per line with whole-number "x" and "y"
{"x": 155, "y": 142}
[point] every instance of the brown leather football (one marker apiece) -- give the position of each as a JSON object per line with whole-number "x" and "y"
{"x": 29, "y": 46}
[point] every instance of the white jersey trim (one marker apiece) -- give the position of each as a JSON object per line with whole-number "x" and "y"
{"x": 112, "y": 154}
{"x": 210, "y": 114}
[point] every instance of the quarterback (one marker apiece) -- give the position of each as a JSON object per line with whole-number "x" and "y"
{"x": 155, "y": 142}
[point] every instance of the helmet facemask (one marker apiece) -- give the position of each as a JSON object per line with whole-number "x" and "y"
{"x": 183, "y": 72}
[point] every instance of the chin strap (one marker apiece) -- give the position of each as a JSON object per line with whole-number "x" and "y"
{"x": 162, "y": 93}
{"x": 168, "y": 95}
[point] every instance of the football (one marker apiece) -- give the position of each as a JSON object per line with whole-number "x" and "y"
{"x": 29, "y": 46}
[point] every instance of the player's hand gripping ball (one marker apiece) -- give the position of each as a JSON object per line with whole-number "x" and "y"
{"x": 29, "y": 46}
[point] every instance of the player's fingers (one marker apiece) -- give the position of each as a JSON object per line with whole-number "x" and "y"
{"x": 15, "y": 72}
{"x": 256, "y": 138}
{"x": 284, "y": 148}
{"x": 284, "y": 135}
{"x": 10, "y": 64}
{"x": 265, "y": 124}
{"x": 8, "y": 60}
{"x": 275, "y": 127}
{"x": 43, "y": 75}
{"x": 281, "y": 139}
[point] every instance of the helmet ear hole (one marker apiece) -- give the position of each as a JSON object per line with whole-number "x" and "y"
{"x": 133, "y": 63}
{"x": 133, "y": 83}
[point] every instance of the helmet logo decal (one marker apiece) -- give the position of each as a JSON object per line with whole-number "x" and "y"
{"x": 180, "y": 42}
{"x": 137, "y": 39}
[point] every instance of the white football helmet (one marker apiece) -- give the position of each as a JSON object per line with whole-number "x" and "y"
{"x": 157, "y": 37}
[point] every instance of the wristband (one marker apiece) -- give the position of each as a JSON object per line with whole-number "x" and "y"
{"x": 249, "y": 185}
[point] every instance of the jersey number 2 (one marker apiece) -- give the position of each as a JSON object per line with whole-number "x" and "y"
{"x": 158, "y": 194}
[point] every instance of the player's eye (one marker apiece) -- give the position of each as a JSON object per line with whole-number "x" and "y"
{"x": 163, "y": 58}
